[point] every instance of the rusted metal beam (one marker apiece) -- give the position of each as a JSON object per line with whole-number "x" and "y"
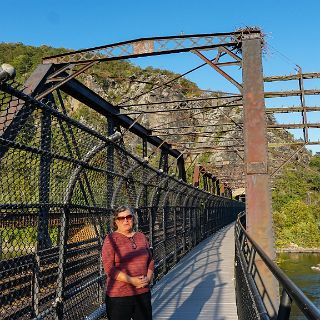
{"x": 32, "y": 86}
{"x": 290, "y": 93}
{"x": 268, "y": 110}
{"x": 14, "y": 117}
{"x": 258, "y": 192}
{"x": 215, "y": 67}
{"x": 191, "y": 108}
{"x": 63, "y": 80}
{"x": 212, "y": 147}
{"x": 291, "y": 109}
{"x": 303, "y": 105}
{"x": 196, "y": 133}
{"x": 240, "y": 140}
{"x": 231, "y": 54}
{"x": 195, "y": 126}
{"x": 229, "y": 101}
{"x": 310, "y": 75}
{"x": 199, "y": 151}
{"x": 231, "y": 178}
{"x": 298, "y": 143}
{"x": 234, "y": 97}
{"x": 227, "y": 64}
{"x": 148, "y": 46}
{"x": 287, "y": 160}
{"x": 196, "y": 176}
{"x": 293, "y": 125}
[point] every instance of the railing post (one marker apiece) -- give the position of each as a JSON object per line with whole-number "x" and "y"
{"x": 258, "y": 194}
{"x": 190, "y": 229}
{"x": 63, "y": 237}
{"x": 151, "y": 223}
{"x": 164, "y": 239}
{"x": 197, "y": 225}
{"x": 145, "y": 156}
{"x": 242, "y": 240}
{"x": 44, "y": 241}
{"x": 110, "y": 164}
{"x": 251, "y": 259}
{"x": 36, "y": 285}
{"x": 175, "y": 235}
{"x": 194, "y": 234}
{"x": 43, "y": 237}
{"x": 206, "y": 227}
{"x": 285, "y": 306}
{"x": 184, "y": 230}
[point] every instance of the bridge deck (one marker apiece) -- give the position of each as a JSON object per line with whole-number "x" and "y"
{"x": 201, "y": 286}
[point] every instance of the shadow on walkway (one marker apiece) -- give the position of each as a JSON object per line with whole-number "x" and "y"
{"x": 195, "y": 288}
{"x": 193, "y": 305}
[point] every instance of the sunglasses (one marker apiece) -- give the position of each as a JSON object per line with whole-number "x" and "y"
{"x": 128, "y": 217}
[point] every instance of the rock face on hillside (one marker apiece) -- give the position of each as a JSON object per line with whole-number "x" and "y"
{"x": 190, "y": 126}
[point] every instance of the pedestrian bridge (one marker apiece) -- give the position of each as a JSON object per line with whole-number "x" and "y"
{"x": 61, "y": 175}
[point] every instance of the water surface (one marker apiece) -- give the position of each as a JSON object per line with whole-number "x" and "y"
{"x": 298, "y": 268}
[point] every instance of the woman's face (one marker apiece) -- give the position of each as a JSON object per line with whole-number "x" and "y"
{"x": 124, "y": 221}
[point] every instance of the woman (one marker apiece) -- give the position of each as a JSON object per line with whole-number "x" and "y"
{"x": 129, "y": 267}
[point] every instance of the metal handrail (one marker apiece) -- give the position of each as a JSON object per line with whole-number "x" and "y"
{"x": 290, "y": 293}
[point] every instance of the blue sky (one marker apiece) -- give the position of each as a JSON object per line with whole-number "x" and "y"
{"x": 291, "y": 28}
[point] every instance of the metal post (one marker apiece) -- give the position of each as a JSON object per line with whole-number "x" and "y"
{"x": 63, "y": 237}
{"x": 175, "y": 234}
{"x": 145, "y": 156}
{"x": 144, "y": 148}
{"x": 303, "y": 105}
{"x": 110, "y": 163}
{"x": 163, "y": 164}
{"x": 151, "y": 225}
{"x": 205, "y": 183}
{"x": 218, "y": 187}
{"x": 196, "y": 176}
{"x": 44, "y": 240}
{"x": 184, "y": 233}
{"x": 164, "y": 215}
{"x": 190, "y": 228}
{"x": 258, "y": 192}
{"x": 181, "y": 168}
{"x": 285, "y": 306}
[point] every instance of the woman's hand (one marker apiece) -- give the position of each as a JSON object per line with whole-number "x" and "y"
{"x": 149, "y": 275}
{"x": 139, "y": 282}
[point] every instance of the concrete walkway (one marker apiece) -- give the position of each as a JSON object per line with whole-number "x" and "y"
{"x": 201, "y": 285}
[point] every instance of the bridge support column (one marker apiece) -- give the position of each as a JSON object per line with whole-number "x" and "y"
{"x": 258, "y": 191}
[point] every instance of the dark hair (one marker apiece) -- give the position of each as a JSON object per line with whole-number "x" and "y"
{"x": 115, "y": 213}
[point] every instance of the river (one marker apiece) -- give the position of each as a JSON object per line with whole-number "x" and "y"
{"x": 298, "y": 268}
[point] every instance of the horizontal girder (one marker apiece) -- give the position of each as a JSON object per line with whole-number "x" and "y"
{"x": 151, "y": 46}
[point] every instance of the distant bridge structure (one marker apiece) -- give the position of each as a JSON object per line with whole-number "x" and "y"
{"x": 61, "y": 177}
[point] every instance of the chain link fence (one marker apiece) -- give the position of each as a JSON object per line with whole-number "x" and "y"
{"x": 60, "y": 179}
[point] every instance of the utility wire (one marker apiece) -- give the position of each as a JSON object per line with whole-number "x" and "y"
{"x": 284, "y": 57}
